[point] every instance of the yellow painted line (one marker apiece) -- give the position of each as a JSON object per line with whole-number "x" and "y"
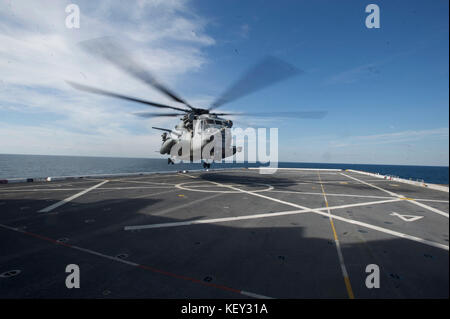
{"x": 406, "y": 198}
{"x": 180, "y": 195}
{"x": 348, "y": 285}
{"x": 349, "y": 288}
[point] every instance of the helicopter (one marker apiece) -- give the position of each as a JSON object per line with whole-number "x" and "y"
{"x": 198, "y": 127}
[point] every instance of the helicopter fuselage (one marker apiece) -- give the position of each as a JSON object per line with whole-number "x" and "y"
{"x": 205, "y": 137}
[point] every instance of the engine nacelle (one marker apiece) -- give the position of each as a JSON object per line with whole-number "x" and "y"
{"x": 167, "y": 145}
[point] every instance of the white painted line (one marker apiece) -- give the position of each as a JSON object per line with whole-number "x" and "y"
{"x": 352, "y": 195}
{"x": 319, "y": 211}
{"x": 388, "y": 231}
{"x": 371, "y": 185}
{"x": 299, "y": 169}
{"x": 65, "y": 201}
{"x": 215, "y": 220}
{"x": 437, "y": 211}
{"x": 185, "y": 204}
{"x": 137, "y": 187}
{"x": 381, "y": 229}
{"x": 254, "y": 216}
{"x": 104, "y": 256}
{"x": 397, "y": 195}
{"x": 188, "y": 188}
{"x": 154, "y": 194}
{"x": 251, "y": 294}
{"x": 39, "y": 190}
{"x": 404, "y": 181}
{"x": 406, "y": 218}
{"x": 76, "y": 189}
{"x": 140, "y": 182}
{"x": 95, "y": 253}
{"x": 431, "y": 200}
{"x": 329, "y": 194}
{"x": 184, "y": 174}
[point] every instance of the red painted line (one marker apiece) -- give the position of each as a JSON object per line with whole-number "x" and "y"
{"x": 189, "y": 279}
{"x": 155, "y": 270}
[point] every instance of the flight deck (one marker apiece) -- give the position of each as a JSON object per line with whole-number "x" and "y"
{"x": 225, "y": 234}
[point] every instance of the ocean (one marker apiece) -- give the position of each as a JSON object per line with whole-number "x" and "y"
{"x": 38, "y": 166}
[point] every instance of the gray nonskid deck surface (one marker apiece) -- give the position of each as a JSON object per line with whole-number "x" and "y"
{"x": 224, "y": 234}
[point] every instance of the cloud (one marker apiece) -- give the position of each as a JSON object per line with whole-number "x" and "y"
{"x": 244, "y": 31}
{"x": 366, "y": 71}
{"x": 393, "y": 138}
{"x": 408, "y": 147}
{"x": 38, "y": 53}
{"x": 59, "y": 141}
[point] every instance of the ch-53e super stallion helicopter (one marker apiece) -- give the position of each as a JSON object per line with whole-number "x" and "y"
{"x": 196, "y": 124}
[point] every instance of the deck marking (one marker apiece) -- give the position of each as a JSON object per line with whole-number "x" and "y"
{"x": 380, "y": 229}
{"x": 196, "y": 201}
{"x": 76, "y": 189}
{"x": 253, "y": 216}
{"x": 251, "y": 294}
{"x": 330, "y": 194}
{"x": 184, "y": 174}
{"x": 133, "y": 264}
{"x": 361, "y": 196}
{"x": 153, "y": 194}
{"x": 68, "y": 199}
{"x": 39, "y": 190}
{"x": 215, "y": 220}
{"x": 406, "y": 218}
{"x": 437, "y": 211}
{"x": 149, "y": 183}
{"x": 348, "y": 285}
{"x": 388, "y": 231}
{"x": 314, "y": 210}
{"x": 303, "y": 207}
{"x": 185, "y": 186}
{"x": 149, "y": 176}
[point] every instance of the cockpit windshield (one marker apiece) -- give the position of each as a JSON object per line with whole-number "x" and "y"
{"x": 212, "y": 124}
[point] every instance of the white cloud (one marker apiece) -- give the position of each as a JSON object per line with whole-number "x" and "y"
{"x": 409, "y": 147}
{"x": 59, "y": 141}
{"x": 38, "y": 53}
{"x": 392, "y": 138}
{"x": 355, "y": 74}
{"x": 244, "y": 31}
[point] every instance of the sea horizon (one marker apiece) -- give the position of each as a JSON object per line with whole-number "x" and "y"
{"x": 41, "y": 166}
{"x": 159, "y": 158}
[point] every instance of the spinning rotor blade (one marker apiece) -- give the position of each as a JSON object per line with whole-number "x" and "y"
{"x": 300, "y": 115}
{"x": 120, "y": 96}
{"x": 148, "y": 115}
{"x": 114, "y": 53}
{"x": 267, "y": 72}
{"x": 166, "y": 130}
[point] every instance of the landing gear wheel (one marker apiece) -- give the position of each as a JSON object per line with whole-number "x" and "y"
{"x": 169, "y": 161}
{"x": 206, "y": 165}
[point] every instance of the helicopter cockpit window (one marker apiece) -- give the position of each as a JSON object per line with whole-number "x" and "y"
{"x": 212, "y": 124}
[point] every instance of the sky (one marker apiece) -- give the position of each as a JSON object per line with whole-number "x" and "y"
{"x": 385, "y": 89}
